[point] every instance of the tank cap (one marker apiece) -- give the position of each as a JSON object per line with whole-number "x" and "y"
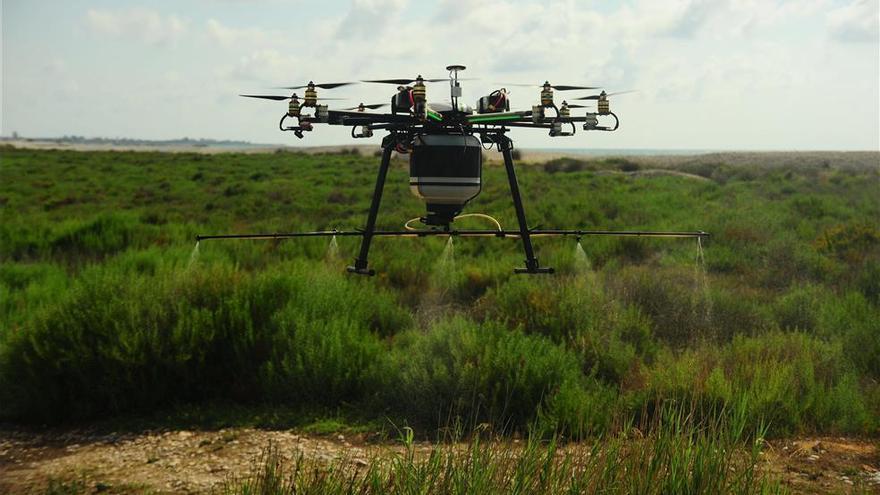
{"x": 455, "y": 67}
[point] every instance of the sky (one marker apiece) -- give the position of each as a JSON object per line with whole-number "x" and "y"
{"x": 721, "y": 74}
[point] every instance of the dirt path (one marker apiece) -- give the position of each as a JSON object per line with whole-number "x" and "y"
{"x": 163, "y": 462}
{"x": 197, "y": 461}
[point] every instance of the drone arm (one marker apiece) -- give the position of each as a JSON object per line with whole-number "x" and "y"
{"x": 338, "y": 117}
{"x": 500, "y": 118}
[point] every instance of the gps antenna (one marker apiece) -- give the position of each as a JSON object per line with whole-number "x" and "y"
{"x": 454, "y": 87}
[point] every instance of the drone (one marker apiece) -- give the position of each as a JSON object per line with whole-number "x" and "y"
{"x": 445, "y": 143}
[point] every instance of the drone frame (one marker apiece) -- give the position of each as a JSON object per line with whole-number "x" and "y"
{"x": 492, "y": 129}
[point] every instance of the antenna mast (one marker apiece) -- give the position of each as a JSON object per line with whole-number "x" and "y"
{"x": 454, "y": 87}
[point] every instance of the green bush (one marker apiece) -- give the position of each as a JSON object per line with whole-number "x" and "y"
{"x": 579, "y": 411}
{"x": 25, "y": 289}
{"x": 557, "y": 308}
{"x": 671, "y": 298}
{"x": 608, "y": 337}
{"x": 100, "y": 312}
{"x": 856, "y": 322}
{"x": 122, "y": 341}
{"x": 102, "y": 235}
{"x": 479, "y": 373}
{"x": 868, "y": 281}
{"x": 798, "y": 309}
{"x": 738, "y": 312}
{"x": 322, "y": 361}
{"x": 793, "y": 382}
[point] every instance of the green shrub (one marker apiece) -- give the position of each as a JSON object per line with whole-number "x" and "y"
{"x": 856, "y": 322}
{"x": 671, "y": 298}
{"x": 557, "y": 308}
{"x": 738, "y": 312}
{"x": 851, "y": 242}
{"x": 123, "y": 341}
{"x": 790, "y": 381}
{"x": 99, "y": 313}
{"x": 868, "y": 281}
{"x": 25, "y": 289}
{"x": 789, "y": 261}
{"x": 567, "y": 165}
{"x": 320, "y": 361}
{"x": 480, "y": 373}
{"x": 102, "y": 235}
{"x": 608, "y": 337}
{"x": 578, "y": 411}
{"x": 798, "y": 309}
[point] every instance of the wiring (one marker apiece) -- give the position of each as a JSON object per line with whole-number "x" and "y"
{"x": 482, "y": 215}
{"x": 492, "y": 219}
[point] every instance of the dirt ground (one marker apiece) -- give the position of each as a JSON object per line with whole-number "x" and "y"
{"x": 197, "y": 461}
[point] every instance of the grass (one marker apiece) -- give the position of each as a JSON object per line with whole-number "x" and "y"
{"x": 102, "y": 313}
{"x": 674, "y": 454}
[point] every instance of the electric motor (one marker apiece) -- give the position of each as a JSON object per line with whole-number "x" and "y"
{"x": 547, "y": 96}
{"x": 445, "y": 171}
{"x": 419, "y": 91}
{"x": 604, "y": 106}
{"x": 293, "y": 108}
{"x": 564, "y": 111}
{"x": 311, "y": 97}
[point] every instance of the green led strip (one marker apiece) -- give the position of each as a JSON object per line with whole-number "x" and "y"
{"x": 486, "y": 118}
{"x": 435, "y": 116}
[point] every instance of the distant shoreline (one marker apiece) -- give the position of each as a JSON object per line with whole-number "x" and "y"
{"x": 643, "y": 156}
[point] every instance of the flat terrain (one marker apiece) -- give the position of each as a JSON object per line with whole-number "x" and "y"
{"x": 730, "y": 366}
{"x": 185, "y": 461}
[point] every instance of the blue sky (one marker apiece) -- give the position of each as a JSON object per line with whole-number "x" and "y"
{"x": 724, "y": 74}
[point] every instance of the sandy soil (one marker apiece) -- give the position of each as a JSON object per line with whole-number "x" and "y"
{"x": 197, "y": 461}
{"x": 160, "y": 461}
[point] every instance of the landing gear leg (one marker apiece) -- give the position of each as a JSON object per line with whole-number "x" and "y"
{"x": 360, "y": 263}
{"x": 532, "y": 265}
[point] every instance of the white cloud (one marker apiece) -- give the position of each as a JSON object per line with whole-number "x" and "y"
{"x": 264, "y": 66}
{"x": 685, "y": 19}
{"x": 229, "y": 36}
{"x": 713, "y": 69}
{"x": 368, "y": 18}
{"x": 145, "y": 25}
{"x": 856, "y": 22}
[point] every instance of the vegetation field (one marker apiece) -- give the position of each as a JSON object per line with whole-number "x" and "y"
{"x": 771, "y": 329}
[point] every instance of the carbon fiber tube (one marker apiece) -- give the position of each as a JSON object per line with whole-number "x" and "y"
{"x": 459, "y": 233}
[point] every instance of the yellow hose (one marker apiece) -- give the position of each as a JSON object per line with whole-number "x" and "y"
{"x": 479, "y": 215}
{"x": 406, "y": 225}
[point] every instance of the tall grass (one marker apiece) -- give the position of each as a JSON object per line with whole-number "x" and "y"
{"x": 675, "y": 454}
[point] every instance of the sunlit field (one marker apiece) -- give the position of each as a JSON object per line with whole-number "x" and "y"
{"x": 642, "y": 365}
